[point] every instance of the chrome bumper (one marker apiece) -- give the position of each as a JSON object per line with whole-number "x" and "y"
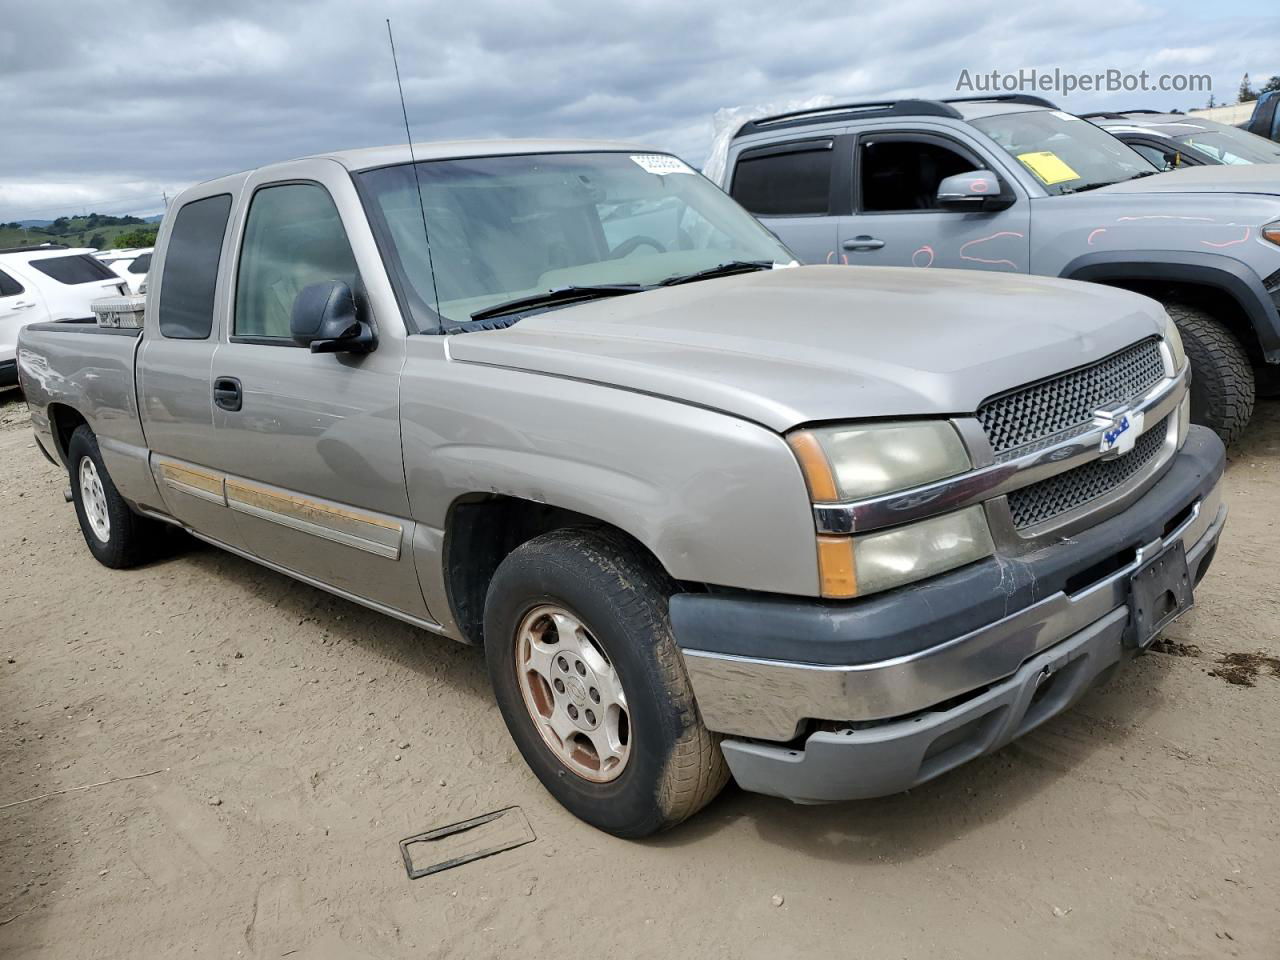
{"x": 769, "y": 699}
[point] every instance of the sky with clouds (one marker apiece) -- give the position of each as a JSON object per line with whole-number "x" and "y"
{"x": 107, "y": 106}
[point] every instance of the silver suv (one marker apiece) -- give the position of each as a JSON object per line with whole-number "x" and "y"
{"x": 1013, "y": 185}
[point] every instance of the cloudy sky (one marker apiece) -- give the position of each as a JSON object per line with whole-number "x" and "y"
{"x": 106, "y": 105}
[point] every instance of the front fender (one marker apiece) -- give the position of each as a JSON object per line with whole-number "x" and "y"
{"x": 716, "y": 499}
{"x": 1229, "y": 275}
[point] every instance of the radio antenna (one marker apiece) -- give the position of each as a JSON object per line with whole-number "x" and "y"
{"x": 413, "y": 162}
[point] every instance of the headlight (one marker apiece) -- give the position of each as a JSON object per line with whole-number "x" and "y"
{"x": 1272, "y": 232}
{"x": 857, "y": 566}
{"x": 856, "y": 461}
{"x": 1174, "y": 339}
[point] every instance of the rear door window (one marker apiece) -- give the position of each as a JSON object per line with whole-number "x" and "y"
{"x": 786, "y": 180}
{"x": 141, "y": 265}
{"x": 293, "y": 238}
{"x": 190, "y": 276}
{"x": 9, "y": 287}
{"x": 75, "y": 269}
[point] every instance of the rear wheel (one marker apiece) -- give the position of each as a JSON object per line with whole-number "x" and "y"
{"x": 1222, "y": 385}
{"x": 115, "y": 535}
{"x": 592, "y": 687}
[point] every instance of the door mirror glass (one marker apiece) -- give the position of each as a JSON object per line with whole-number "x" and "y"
{"x": 977, "y": 190}
{"x": 326, "y": 319}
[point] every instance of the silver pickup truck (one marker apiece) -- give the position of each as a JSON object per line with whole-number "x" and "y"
{"x": 833, "y": 532}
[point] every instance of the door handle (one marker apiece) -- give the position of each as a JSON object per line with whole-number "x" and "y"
{"x": 863, "y": 243}
{"x": 228, "y": 394}
{"x": 22, "y": 305}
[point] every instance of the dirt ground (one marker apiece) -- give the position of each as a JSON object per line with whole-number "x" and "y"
{"x": 292, "y": 739}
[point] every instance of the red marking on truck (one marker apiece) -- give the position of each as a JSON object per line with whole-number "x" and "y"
{"x": 994, "y": 236}
{"x": 1248, "y": 232}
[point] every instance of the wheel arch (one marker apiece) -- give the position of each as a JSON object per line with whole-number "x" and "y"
{"x": 1227, "y": 288}
{"x": 63, "y": 421}
{"x": 482, "y": 529}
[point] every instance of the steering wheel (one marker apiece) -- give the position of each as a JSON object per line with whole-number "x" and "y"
{"x": 629, "y": 246}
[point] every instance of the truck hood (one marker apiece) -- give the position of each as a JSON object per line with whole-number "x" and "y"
{"x": 1224, "y": 178}
{"x": 792, "y": 346}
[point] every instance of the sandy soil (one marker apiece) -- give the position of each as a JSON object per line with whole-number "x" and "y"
{"x": 300, "y": 737}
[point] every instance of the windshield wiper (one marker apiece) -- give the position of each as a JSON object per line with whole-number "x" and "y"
{"x": 1109, "y": 183}
{"x": 720, "y": 270}
{"x": 559, "y": 295}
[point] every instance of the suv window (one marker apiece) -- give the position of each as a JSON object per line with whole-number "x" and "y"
{"x": 1157, "y": 157}
{"x": 293, "y": 238}
{"x": 141, "y": 265}
{"x": 898, "y": 173}
{"x": 790, "y": 179}
{"x": 191, "y": 268}
{"x": 9, "y": 287}
{"x": 77, "y": 268}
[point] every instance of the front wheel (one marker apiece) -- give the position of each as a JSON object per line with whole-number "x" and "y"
{"x": 115, "y": 535}
{"x": 1222, "y": 385}
{"x": 592, "y": 686}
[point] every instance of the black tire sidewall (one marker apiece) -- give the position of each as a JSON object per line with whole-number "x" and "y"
{"x": 629, "y": 805}
{"x": 115, "y": 552}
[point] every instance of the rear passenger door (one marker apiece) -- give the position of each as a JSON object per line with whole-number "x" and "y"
{"x": 173, "y": 368}
{"x": 897, "y": 220}
{"x": 310, "y": 446}
{"x": 791, "y": 188}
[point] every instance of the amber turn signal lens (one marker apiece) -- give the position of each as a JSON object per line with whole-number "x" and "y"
{"x": 814, "y": 466}
{"x": 835, "y": 568}
{"x": 1272, "y": 232}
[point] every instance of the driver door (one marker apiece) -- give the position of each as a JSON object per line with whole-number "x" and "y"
{"x": 897, "y": 221}
{"x": 310, "y": 442}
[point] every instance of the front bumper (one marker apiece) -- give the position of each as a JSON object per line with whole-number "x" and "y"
{"x": 899, "y": 713}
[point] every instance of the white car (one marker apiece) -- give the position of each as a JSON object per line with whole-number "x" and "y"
{"x": 129, "y": 265}
{"x": 48, "y": 282}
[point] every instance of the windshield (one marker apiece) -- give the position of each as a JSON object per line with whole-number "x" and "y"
{"x": 503, "y": 228}
{"x": 1064, "y": 153}
{"x": 1229, "y": 145}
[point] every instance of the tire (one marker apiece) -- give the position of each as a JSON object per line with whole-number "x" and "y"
{"x": 673, "y": 766}
{"x": 116, "y": 536}
{"x": 1222, "y": 384}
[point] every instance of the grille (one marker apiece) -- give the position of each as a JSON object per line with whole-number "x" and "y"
{"x": 1054, "y": 496}
{"x": 1048, "y": 410}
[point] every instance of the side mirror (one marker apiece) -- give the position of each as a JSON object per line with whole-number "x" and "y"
{"x": 976, "y": 190}
{"x": 326, "y": 319}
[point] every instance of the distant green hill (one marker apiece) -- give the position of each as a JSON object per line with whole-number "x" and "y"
{"x": 93, "y": 230}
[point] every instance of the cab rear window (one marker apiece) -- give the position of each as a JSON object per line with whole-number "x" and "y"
{"x": 78, "y": 268}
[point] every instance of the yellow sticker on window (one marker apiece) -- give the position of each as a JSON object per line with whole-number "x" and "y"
{"x": 1048, "y": 166}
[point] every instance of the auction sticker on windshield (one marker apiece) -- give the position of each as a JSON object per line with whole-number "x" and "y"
{"x": 1048, "y": 166}
{"x": 660, "y": 164}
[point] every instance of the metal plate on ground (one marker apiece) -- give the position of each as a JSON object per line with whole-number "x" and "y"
{"x": 1160, "y": 592}
{"x": 451, "y": 846}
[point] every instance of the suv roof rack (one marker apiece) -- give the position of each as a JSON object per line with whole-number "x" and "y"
{"x": 851, "y": 111}
{"x": 31, "y": 248}
{"x": 1027, "y": 98}
{"x": 882, "y": 108}
{"x": 1125, "y": 114}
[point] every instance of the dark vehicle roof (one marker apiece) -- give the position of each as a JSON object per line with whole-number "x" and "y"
{"x": 954, "y": 108}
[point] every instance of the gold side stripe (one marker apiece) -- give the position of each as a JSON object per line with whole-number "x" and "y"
{"x": 187, "y": 477}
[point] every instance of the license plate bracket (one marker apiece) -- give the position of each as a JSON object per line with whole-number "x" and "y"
{"x": 1160, "y": 591}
